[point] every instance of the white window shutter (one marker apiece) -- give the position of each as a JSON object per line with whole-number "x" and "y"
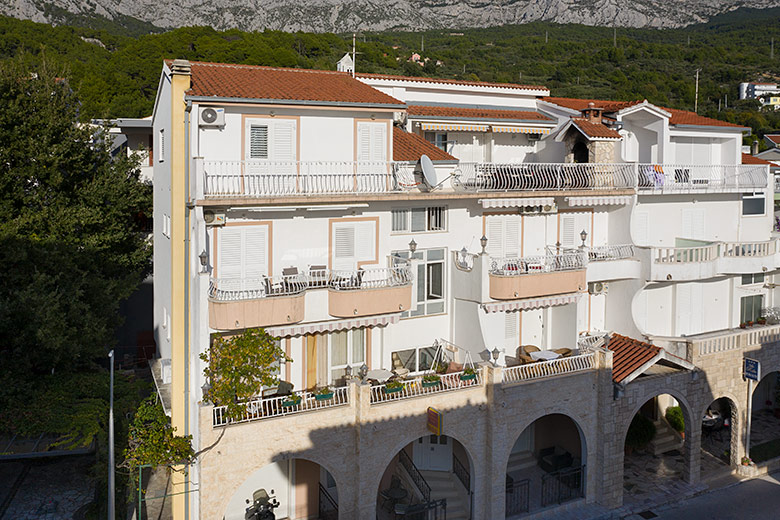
{"x": 365, "y": 239}
{"x": 510, "y": 327}
{"x": 255, "y": 251}
{"x": 641, "y": 231}
{"x": 364, "y": 142}
{"x": 258, "y": 142}
{"x": 229, "y": 252}
{"x": 567, "y": 231}
{"x": 698, "y": 224}
{"x": 344, "y": 253}
{"x": 379, "y": 142}
{"x": 284, "y": 137}
{"x": 495, "y": 236}
{"x": 512, "y": 236}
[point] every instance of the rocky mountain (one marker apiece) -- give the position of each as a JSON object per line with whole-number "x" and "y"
{"x": 351, "y": 15}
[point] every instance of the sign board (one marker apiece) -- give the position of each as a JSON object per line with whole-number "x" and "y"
{"x": 434, "y": 421}
{"x": 752, "y": 369}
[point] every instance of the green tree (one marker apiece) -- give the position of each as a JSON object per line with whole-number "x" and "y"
{"x": 69, "y": 236}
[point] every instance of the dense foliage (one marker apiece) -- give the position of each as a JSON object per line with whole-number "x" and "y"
{"x": 640, "y": 432}
{"x": 238, "y": 367}
{"x": 674, "y": 416}
{"x": 71, "y": 249}
{"x": 116, "y": 73}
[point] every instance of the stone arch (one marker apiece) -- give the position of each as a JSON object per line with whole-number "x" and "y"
{"x": 734, "y": 427}
{"x": 685, "y": 405}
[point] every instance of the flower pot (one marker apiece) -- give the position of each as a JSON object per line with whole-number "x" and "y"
{"x": 393, "y": 390}
{"x": 467, "y": 377}
{"x": 430, "y": 384}
{"x": 323, "y": 397}
{"x": 290, "y": 403}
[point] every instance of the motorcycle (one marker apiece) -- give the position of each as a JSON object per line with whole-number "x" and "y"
{"x": 262, "y": 506}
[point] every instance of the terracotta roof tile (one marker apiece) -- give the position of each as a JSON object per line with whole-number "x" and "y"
{"x": 749, "y": 159}
{"x": 595, "y": 130}
{"x": 409, "y": 147}
{"x": 476, "y": 113}
{"x": 420, "y": 79}
{"x": 582, "y": 104}
{"x": 775, "y": 138}
{"x": 683, "y": 117}
{"x": 255, "y": 82}
{"x": 628, "y": 355}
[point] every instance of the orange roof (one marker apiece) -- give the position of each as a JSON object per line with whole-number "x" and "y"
{"x": 582, "y": 104}
{"x": 628, "y": 355}
{"x": 420, "y": 79}
{"x": 683, "y": 117}
{"x": 475, "y": 113}
{"x": 272, "y": 83}
{"x": 775, "y": 138}
{"x": 749, "y": 159}
{"x": 409, "y": 147}
{"x": 595, "y": 130}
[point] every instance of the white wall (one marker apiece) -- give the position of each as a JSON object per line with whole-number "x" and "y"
{"x": 442, "y": 93}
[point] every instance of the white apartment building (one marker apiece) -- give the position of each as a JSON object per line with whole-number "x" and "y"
{"x": 581, "y": 256}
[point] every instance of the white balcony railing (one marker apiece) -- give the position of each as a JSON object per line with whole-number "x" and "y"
{"x": 259, "y": 408}
{"x": 415, "y": 387}
{"x": 618, "y": 252}
{"x": 545, "y": 176}
{"x": 464, "y": 261}
{"x": 236, "y": 289}
{"x": 713, "y": 342}
{"x": 749, "y": 249}
{"x": 555, "y": 367}
{"x": 682, "y": 255}
{"x": 258, "y": 178}
{"x": 701, "y": 178}
{"x": 537, "y": 264}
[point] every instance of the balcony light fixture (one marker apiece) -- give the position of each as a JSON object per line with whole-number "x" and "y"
{"x": 483, "y": 243}
{"x": 412, "y": 246}
{"x": 363, "y": 371}
{"x": 205, "y": 389}
{"x": 348, "y": 372}
{"x": 583, "y": 236}
{"x": 494, "y": 354}
{"x": 204, "y": 259}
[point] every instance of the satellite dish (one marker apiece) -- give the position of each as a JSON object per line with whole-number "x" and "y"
{"x": 428, "y": 171}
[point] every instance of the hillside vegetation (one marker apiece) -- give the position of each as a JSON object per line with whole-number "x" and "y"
{"x": 116, "y": 73}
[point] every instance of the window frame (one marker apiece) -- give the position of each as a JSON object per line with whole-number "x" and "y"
{"x": 350, "y": 333}
{"x": 430, "y": 214}
{"x": 423, "y": 284}
{"x": 754, "y": 313}
{"x": 754, "y": 197}
{"x": 417, "y": 350}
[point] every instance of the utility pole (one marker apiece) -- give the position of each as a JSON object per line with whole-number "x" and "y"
{"x": 772, "y": 50}
{"x": 689, "y": 40}
{"x": 354, "y": 55}
{"x": 696, "y": 101}
{"x": 111, "y": 490}
{"x": 422, "y": 44}
{"x": 727, "y": 102}
{"x": 719, "y": 101}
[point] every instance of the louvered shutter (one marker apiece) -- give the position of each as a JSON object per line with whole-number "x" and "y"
{"x": 255, "y": 256}
{"x": 418, "y": 219}
{"x": 568, "y": 231}
{"x": 229, "y": 258}
{"x": 364, "y": 142}
{"x": 365, "y": 238}
{"x": 495, "y": 236}
{"x": 344, "y": 253}
{"x": 641, "y": 231}
{"x": 378, "y": 142}
{"x": 512, "y": 236}
{"x": 510, "y": 327}
{"x": 283, "y": 151}
{"x": 258, "y": 142}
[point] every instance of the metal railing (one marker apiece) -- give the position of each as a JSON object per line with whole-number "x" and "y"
{"x": 617, "y": 252}
{"x": 537, "y": 264}
{"x": 328, "y": 509}
{"x": 555, "y": 367}
{"x": 749, "y": 249}
{"x": 562, "y": 486}
{"x": 417, "y": 387}
{"x": 260, "y": 178}
{"x": 433, "y": 510}
{"x": 462, "y": 472}
{"x": 701, "y": 178}
{"x": 517, "y": 495}
{"x": 682, "y": 255}
{"x": 592, "y": 340}
{"x": 545, "y": 176}
{"x": 257, "y": 409}
{"x": 463, "y": 260}
{"x": 236, "y": 289}
{"x": 419, "y": 481}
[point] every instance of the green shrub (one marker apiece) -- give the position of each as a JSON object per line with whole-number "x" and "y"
{"x": 640, "y": 432}
{"x": 674, "y": 416}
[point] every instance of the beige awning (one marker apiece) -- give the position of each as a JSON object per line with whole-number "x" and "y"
{"x": 329, "y": 326}
{"x": 519, "y": 130}
{"x": 518, "y": 202}
{"x": 454, "y": 127}
{"x": 600, "y": 200}
{"x": 531, "y": 303}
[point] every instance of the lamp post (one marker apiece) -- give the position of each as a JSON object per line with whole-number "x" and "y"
{"x": 111, "y": 499}
{"x": 494, "y": 354}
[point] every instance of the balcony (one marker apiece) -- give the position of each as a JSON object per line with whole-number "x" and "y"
{"x": 417, "y": 387}
{"x": 688, "y": 178}
{"x": 545, "y": 176}
{"x": 367, "y": 292}
{"x": 537, "y": 276}
{"x": 614, "y": 262}
{"x": 555, "y": 367}
{"x": 714, "y": 259}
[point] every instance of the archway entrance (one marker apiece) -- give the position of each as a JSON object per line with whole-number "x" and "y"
{"x": 303, "y": 489}
{"x": 718, "y": 443}
{"x": 546, "y": 466}
{"x": 430, "y": 477}
{"x": 655, "y": 449}
{"x": 765, "y": 419}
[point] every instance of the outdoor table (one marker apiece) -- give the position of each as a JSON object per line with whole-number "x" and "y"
{"x": 544, "y": 355}
{"x": 381, "y": 375}
{"x": 710, "y": 419}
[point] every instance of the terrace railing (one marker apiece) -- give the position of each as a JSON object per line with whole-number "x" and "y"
{"x": 701, "y": 178}
{"x": 514, "y": 266}
{"x": 260, "y": 408}
{"x": 545, "y": 176}
{"x": 517, "y": 495}
{"x": 681, "y": 255}
{"x": 373, "y": 278}
{"x": 235, "y": 289}
{"x": 617, "y": 252}
{"x": 749, "y": 249}
{"x": 555, "y": 367}
{"x": 414, "y": 387}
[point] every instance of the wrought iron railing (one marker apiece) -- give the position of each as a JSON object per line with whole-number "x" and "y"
{"x": 555, "y": 367}
{"x": 462, "y": 472}
{"x": 297, "y": 402}
{"x": 544, "y": 176}
{"x": 417, "y": 386}
{"x": 517, "y": 496}
{"x": 464, "y": 261}
{"x": 617, "y": 252}
{"x": 514, "y": 266}
{"x": 701, "y": 177}
{"x": 328, "y": 509}
{"x": 432, "y": 510}
{"x": 563, "y": 485}
{"x": 373, "y": 278}
{"x": 419, "y": 481}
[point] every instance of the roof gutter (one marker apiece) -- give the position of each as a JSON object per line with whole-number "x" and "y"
{"x": 301, "y": 102}
{"x": 482, "y": 119}
{"x": 708, "y": 127}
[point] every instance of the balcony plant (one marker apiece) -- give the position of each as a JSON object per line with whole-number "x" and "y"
{"x": 293, "y": 400}
{"x": 392, "y": 387}
{"x": 324, "y": 393}
{"x": 761, "y": 321}
{"x": 750, "y": 324}
{"x": 468, "y": 374}
{"x": 746, "y": 461}
{"x": 440, "y": 367}
{"x": 743, "y": 325}
{"x": 431, "y": 380}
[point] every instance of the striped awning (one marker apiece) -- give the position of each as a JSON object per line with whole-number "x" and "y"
{"x": 603, "y": 200}
{"x": 329, "y": 326}
{"x": 519, "y": 130}
{"x": 454, "y": 127}
{"x": 531, "y": 303}
{"x": 517, "y": 202}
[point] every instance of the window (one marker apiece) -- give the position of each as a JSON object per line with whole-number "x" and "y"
{"x": 353, "y": 243}
{"x": 430, "y": 281}
{"x": 419, "y": 220}
{"x": 258, "y": 141}
{"x": 242, "y": 257}
{"x": 414, "y": 359}
{"x": 372, "y": 142}
{"x": 752, "y": 204}
{"x": 439, "y": 140}
{"x": 347, "y": 348}
{"x": 161, "y": 147}
{"x": 750, "y": 308}
{"x": 749, "y": 279}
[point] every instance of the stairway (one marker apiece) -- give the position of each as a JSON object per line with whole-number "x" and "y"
{"x": 446, "y": 485}
{"x": 519, "y": 461}
{"x": 666, "y": 439}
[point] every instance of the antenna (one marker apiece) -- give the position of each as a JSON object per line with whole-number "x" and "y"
{"x": 354, "y": 55}
{"x": 696, "y": 101}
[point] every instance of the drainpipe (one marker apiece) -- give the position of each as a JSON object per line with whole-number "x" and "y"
{"x": 187, "y": 211}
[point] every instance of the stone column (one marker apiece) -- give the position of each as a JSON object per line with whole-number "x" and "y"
{"x": 492, "y": 502}
{"x": 609, "y": 459}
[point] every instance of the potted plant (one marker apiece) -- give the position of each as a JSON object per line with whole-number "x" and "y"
{"x": 431, "y": 380}
{"x": 440, "y": 367}
{"x": 674, "y": 416}
{"x": 468, "y": 374}
{"x": 746, "y": 461}
{"x": 750, "y": 324}
{"x": 292, "y": 400}
{"x": 761, "y": 321}
{"x": 743, "y": 325}
{"x": 392, "y": 387}
{"x": 640, "y": 433}
{"x": 323, "y": 393}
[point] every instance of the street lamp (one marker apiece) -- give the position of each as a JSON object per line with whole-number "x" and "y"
{"x": 206, "y": 388}
{"x": 204, "y": 259}
{"x": 483, "y": 243}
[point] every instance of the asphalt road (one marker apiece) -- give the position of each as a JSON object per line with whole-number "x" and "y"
{"x": 758, "y": 498}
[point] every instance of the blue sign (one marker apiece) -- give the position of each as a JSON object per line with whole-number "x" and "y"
{"x": 752, "y": 369}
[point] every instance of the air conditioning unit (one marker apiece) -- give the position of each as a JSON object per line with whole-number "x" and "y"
{"x": 214, "y": 218}
{"x": 212, "y": 117}
{"x": 534, "y": 137}
{"x": 598, "y": 288}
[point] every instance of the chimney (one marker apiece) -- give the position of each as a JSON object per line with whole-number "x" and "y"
{"x": 181, "y": 67}
{"x": 593, "y": 113}
{"x": 754, "y": 148}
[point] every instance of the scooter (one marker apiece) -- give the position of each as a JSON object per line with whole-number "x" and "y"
{"x": 262, "y": 506}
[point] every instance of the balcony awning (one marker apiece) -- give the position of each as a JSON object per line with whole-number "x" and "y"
{"x": 329, "y": 326}
{"x": 454, "y": 127}
{"x": 602, "y": 200}
{"x": 531, "y": 303}
{"x": 519, "y": 130}
{"x": 518, "y": 202}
